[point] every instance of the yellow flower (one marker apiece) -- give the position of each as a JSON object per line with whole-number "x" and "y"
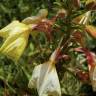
{"x": 82, "y": 19}
{"x": 15, "y": 39}
{"x": 45, "y": 79}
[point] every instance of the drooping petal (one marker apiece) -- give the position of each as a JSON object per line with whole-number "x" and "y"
{"x": 45, "y": 78}
{"x": 14, "y": 27}
{"x": 36, "y": 19}
{"x": 4, "y": 32}
{"x": 31, "y": 20}
{"x": 15, "y": 40}
{"x": 13, "y": 47}
{"x": 42, "y": 13}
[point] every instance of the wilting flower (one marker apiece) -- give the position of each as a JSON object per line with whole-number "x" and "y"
{"x": 42, "y": 23}
{"x": 42, "y": 14}
{"x": 36, "y": 19}
{"x": 45, "y": 78}
{"x": 91, "y": 30}
{"x": 15, "y": 39}
{"x": 45, "y": 26}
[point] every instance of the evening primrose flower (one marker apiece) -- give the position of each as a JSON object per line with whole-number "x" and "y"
{"x": 45, "y": 78}
{"x": 15, "y": 39}
{"x": 42, "y": 14}
{"x": 82, "y": 19}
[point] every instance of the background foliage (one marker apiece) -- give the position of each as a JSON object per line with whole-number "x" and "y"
{"x": 14, "y": 77}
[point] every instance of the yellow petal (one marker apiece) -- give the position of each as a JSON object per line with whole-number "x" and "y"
{"x": 4, "y": 32}
{"x": 91, "y": 30}
{"x": 13, "y": 28}
{"x": 34, "y": 33}
{"x": 36, "y": 19}
{"x": 14, "y": 46}
{"x": 31, "y": 20}
{"x": 16, "y": 40}
{"x": 42, "y": 13}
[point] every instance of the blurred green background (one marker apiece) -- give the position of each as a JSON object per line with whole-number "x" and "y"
{"x": 14, "y": 76}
